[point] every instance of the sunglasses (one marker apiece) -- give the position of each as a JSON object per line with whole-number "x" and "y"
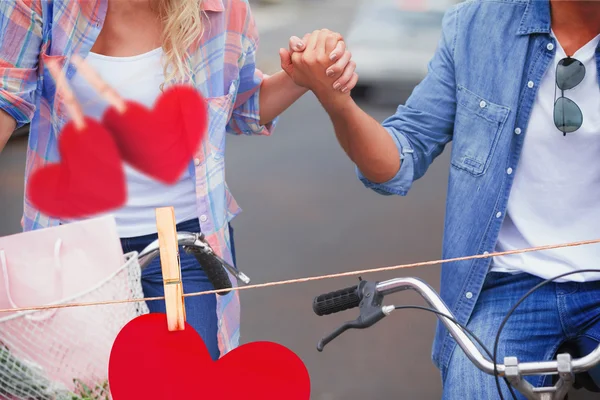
{"x": 567, "y": 114}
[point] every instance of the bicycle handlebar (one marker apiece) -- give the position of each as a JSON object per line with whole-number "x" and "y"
{"x": 369, "y": 297}
{"x": 337, "y": 301}
{"x": 213, "y": 265}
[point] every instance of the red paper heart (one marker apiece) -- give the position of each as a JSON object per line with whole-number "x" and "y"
{"x": 147, "y": 362}
{"x": 88, "y": 180}
{"x": 160, "y": 142}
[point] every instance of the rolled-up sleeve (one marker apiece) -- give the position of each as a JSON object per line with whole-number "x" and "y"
{"x": 20, "y": 43}
{"x": 401, "y": 183}
{"x": 245, "y": 119}
{"x": 423, "y": 126}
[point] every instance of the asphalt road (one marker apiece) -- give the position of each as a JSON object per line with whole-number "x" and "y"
{"x": 306, "y": 214}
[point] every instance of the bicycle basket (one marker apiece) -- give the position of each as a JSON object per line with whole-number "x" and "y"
{"x": 63, "y": 354}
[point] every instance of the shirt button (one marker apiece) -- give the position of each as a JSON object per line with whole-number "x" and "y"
{"x": 485, "y": 253}
{"x": 203, "y": 218}
{"x": 550, "y": 46}
{"x": 498, "y": 214}
{"x": 197, "y": 161}
{"x": 509, "y": 171}
{"x": 469, "y": 295}
{"x": 220, "y": 322}
{"x": 530, "y": 84}
{"x": 518, "y": 131}
{"x": 482, "y": 104}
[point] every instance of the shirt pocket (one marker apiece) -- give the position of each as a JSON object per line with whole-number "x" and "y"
{"x": 477, "y": 126}
{"x": 220, "y": 110}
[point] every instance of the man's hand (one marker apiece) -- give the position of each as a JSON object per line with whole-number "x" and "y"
{"x": 320, "y": 62}
{"x": 364, "y": 140}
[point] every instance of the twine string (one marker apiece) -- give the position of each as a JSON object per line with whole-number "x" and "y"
{"x": 309, "y": 279}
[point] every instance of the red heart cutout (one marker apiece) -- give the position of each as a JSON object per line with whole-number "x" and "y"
{"x": 89, "y": 179}
{"x": 147, "y": 362}
{"x": 160, "y": 142}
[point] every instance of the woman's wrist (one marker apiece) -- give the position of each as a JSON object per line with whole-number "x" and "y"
{"x": 278, "y": 92}
{"x": 301, "y": 90}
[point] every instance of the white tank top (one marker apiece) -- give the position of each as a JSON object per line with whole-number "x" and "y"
{"x": 137, "y": 78}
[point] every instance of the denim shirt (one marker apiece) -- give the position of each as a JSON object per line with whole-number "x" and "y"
{"x": 478, "y": 93}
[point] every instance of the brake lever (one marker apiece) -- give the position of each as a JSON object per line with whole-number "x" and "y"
{"x": 347, "y": 325}
{"x": 371, "y": 312}
{"x": 205, "y": 247}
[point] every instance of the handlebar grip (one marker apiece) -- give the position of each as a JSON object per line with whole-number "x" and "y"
{"x": 214, "y": 270}
{"x": 337, "y": 301}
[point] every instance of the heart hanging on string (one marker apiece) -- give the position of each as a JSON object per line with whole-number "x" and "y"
{"x": 162, "y": 141}
{"x": 88, "y": 180}
{"x": 149, "y": 362}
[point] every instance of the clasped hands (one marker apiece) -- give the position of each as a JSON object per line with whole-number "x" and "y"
{"x": 321, "y": 63}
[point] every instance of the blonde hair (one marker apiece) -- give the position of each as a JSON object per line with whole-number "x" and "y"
{"x": 182, "y": 31}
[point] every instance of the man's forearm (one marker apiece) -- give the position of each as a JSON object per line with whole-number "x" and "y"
{"x": 277, "y": 93}
{"x": 7, "y": 127}
{"x": 365, "y": 141}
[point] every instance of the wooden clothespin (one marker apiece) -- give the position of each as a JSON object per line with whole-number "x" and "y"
{"x": 104, "y": 89}
{"x": 171, "y": 269}
{"x": 73, "y": 107}
{"x": 62, "y": 86}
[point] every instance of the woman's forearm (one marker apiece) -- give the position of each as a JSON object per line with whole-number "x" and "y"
{"x": 277, "y": 93}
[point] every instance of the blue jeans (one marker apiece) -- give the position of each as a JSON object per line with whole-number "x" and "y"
{"x": 551, "y": 315}
{"x": 201, "y": 311}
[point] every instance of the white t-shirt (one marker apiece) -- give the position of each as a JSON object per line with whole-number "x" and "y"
{"x": 137, "y": 78}
{"x": 555, "y": 196}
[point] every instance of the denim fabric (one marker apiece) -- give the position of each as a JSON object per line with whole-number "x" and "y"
{"x": 201, "y": 311}
{"x": 551, "y": 315}
{"x": 478, "y": 94}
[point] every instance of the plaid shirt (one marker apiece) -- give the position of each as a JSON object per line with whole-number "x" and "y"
{"x": 35, "y": 31}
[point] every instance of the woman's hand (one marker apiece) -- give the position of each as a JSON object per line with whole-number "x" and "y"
{"x": 337, "y": 68}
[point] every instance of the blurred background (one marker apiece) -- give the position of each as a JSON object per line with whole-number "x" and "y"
{"x": 305, "y": 212}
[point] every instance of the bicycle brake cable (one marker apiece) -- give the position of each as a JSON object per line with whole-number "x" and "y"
{"x": 464, "y": 329}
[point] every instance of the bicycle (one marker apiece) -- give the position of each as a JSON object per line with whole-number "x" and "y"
{"x": 28, "y": 374}
{"x": 213, "y": 265}
{"x": 369, "y": 295}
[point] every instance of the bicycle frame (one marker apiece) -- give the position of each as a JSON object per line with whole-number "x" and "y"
{"x": 372, "y": 312}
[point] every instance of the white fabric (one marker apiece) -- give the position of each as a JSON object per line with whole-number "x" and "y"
{"x": 555, "y": 196}
{"x": 42, "y": 352}
{"x": 58, "y": 281}
{"x": 137, "y": 78}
